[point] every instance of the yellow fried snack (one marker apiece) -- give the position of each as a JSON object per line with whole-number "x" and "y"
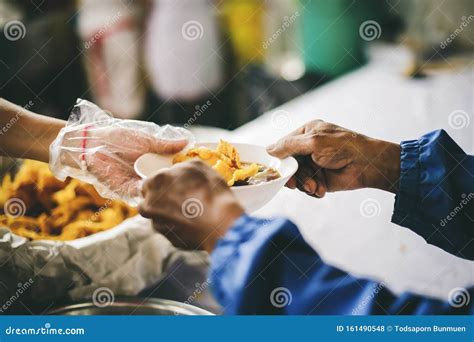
{"x": 226, "y": 171}
{"x": 230, "y": 152}
{"x": 246, "y": 172}
{"x": 48, "y": 209}
{"x": 225, "y": 160}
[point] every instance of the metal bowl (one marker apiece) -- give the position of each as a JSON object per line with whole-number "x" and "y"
{"x": 131, "y": 306}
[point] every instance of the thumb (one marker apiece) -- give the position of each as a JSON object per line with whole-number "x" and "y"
{"x": 291, "y": 145}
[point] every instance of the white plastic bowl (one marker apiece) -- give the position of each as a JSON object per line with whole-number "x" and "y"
{"x": 251, "y": 197}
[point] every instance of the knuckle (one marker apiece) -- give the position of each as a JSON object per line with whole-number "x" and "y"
{"x": 196, "y": 164}
{"x": 144, "y": 209}
{"x": 158, "y": 179}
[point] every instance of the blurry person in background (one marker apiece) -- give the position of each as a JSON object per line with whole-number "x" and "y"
{"x": 168, "y": 44}
{"x": 110, "y": 31}
{"x": 180, "y": 50}
{"x": 39, "y": 57}
{"x": 264, "y": 266}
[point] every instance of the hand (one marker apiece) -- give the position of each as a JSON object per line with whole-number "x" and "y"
{"x": 114, "y": 152}
{"x": 190, "y": 204}
{"x": 332, "y": 158}
{"x": 101, "y": 150}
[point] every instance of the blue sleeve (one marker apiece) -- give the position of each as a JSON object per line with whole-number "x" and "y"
{"x": 436, "y": 196}
{"x": 266, "y": 267}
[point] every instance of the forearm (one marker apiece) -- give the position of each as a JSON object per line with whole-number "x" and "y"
{"x": 24, "y": 134}
{"x": 383, "y": 169}
{"x": 266, "y": 267}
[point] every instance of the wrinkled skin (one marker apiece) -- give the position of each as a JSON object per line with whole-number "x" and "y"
{"x": 193, "y": 206}
{"x": 190, "y": 204}
{"x": 332, "y": 158}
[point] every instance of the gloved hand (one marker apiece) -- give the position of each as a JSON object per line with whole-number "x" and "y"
{"x": 100, "y": 150}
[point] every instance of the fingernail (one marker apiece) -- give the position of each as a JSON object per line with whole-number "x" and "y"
{"x": 271, "y": 147}
{"x": 309, "y": 187}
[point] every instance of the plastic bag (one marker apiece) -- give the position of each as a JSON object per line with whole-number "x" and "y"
{"x": 98, "y": 149}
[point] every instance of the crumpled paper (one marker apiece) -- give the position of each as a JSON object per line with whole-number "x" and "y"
{"x": 125, "y": 259}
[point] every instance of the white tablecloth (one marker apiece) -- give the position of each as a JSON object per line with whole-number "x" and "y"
{"x": 379, "y": 101}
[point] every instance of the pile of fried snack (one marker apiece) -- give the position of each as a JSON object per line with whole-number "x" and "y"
{"x": 37, "y": 206}
{"x": 224, "y": 159}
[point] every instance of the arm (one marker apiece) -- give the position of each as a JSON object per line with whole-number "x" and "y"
{"x": 436, "y": 197}
{"x": 258, "y": 265}
{"x": 92, "y": 147}
{"x": 265, "y": 267}
{"x": 432, "y": 177}
{"x": 24, "y": 134}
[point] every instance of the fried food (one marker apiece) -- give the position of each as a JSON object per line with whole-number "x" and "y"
{"x": 38, "y": 206}
{"x": 225, "y": 160}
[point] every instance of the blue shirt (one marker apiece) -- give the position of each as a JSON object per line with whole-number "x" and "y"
{"x": 265, "y": 266}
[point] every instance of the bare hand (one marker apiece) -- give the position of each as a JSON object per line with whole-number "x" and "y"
{"x": 332, "y": 158}
{"x": 190, "y": 204}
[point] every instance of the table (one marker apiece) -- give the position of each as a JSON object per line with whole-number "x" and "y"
{"x": 379, "y": 101}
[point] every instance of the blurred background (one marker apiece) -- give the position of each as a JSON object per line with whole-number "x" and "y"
{"x": 391, "y": 69}
{"x": 217, "y": 63}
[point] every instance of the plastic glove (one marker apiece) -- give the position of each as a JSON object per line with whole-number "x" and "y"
{"x": 100, "y": 150}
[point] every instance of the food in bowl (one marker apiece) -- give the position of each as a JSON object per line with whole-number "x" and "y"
{"x": 225, "y": 160}
{"x": 273, "y": 175}
{"x": 38, "y": 206}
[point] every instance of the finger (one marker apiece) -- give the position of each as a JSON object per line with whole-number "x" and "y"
{"x": 322, "y": 184}
{"x": 310, "y": 185}
{"x": 291, "y": 183}
{"x": 145, "y": 210}
{"x": 310, "y": 178}
{"x": 152, "y": 208}
{"x": 291, "y": 145}
{"x": 296, "y": 132}
{"x": 130, "y": 188}
{"x": 158, "y": 181}
{"x": 114, "y": 175}
{"x": 305, "y": 179}
{"x": 162, "y": 146}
